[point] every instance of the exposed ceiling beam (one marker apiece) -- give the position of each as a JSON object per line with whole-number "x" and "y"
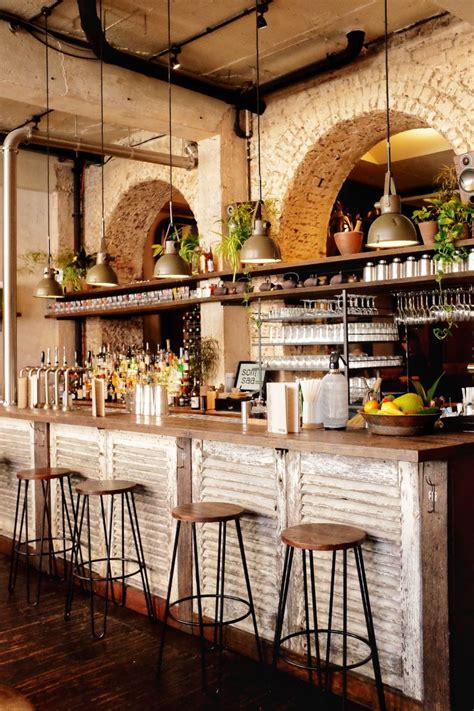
{"x": 75, "y": 90}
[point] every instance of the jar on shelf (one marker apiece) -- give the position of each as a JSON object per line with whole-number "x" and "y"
{"x": 396, "y": 269}
{"x": 381, "y": 270}
{"x": 369, "y": 272}
{"x": 410, "y": 267}
{"x": 425, "y": 265}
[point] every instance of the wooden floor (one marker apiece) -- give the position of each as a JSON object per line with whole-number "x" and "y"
{"x": 58, "y": 666}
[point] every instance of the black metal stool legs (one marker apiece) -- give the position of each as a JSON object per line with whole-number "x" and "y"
{"x": 324, "y": 681}
{"x": 84, "y": 573}
{"x": 168, "y": 596}
{"x": 219, "y": 598}
{"x": 364, "y": 591}
{"x": 44, "y": 544}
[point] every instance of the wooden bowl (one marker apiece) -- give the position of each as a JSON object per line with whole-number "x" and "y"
{"x": 398, "y": 426}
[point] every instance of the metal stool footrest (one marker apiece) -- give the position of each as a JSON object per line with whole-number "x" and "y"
{"x": 331, "y": 666}
{"x": 213, "y": 597}
{"x": 118, "y": 576}
{"x": 17, "y": 547}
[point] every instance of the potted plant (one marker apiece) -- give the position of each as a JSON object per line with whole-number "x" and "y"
{"x": 239, "y": 229}
{"x": 72, "y": 265}
{"x": 427, "y": 220}
{"x": 349, "y": 237}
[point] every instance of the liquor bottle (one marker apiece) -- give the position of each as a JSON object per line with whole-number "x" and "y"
{"x": 195, "y": 392}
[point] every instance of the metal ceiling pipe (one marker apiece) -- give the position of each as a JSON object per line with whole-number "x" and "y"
{"x": 355, "y": 42}
{"x": 188, "y": 162}
{"x": 10, "y": 154}
{"x": 92, "y": 28}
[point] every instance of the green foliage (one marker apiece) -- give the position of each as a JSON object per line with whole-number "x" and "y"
{"x": 189, "y": 245}
{"x": 425, "y": 214}
{"x": 203, "y": 359}
{"x": 426, "y": 395}
{"x": 239, "y": 229}
{"x": 74, "y": 265}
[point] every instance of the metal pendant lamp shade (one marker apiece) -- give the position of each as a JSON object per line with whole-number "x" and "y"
{"x": 170, "y": 265}
{"x": 260, "y": 248}
{"x": 390, "y": 229}
{"x": 102, "y": 274}
{"x": 49, "y": 287}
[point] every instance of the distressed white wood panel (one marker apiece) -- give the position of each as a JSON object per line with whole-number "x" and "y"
{"x": 247, "y": 476}
{"x": 364, "y": 493}
{"x": 16, "y": 453}
{"x": 82, "y": 449}
{"x": 150, "y": 461}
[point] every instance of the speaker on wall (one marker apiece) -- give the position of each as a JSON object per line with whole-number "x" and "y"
{"x": 465, "y": 172}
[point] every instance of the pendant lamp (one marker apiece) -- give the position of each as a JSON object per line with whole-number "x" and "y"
{"x": 170, "y": 265}
{"x": 259, "y": 248}
{"x": 102, "y": 274}
{"x": 48, "y": 287}
{"x": 391, "y": 229}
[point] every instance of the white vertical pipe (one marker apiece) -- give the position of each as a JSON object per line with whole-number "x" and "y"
{"x": 10, "y": 153}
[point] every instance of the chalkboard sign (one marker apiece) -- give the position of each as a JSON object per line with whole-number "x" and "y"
{"x": 248, "y": 376}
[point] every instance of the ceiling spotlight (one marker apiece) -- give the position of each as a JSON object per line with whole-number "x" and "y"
{"x": 175, "y": 52}
{"x": 261, "y": 10}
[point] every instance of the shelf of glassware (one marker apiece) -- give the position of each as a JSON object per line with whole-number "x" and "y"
{"x": 330, "y": 334}
{"x": 321, "y": 362}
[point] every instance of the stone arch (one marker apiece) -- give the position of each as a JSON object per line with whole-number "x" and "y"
{"x": 309, "y": 161}
{"x": 130, "y": 223}
{"x": 309, "y": 199}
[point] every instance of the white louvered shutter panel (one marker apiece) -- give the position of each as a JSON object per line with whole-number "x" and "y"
{"x": 15, "y": 454}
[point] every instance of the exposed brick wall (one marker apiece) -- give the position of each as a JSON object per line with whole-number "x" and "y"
{"x": 311, "y": 138}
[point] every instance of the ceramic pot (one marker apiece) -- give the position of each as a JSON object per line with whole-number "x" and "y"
{"x": 349, "y": 242}
{"x": 290, "y": 280}
{"x": 266, "y": 285}
{"x": 337, "y": 279}
{"x": 311, "y": 281}
{"x": 221, "y": 289}
{"x": 428, "y": 231}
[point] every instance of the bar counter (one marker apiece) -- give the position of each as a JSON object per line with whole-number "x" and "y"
{"x": 397, "y": 489}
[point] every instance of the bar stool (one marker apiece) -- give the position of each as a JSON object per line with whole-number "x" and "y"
{"x": 221, "y": 513}
{"x": 327, "y": 537}
{"x": 45, "y": 475}
{"x": 84, "y": 572}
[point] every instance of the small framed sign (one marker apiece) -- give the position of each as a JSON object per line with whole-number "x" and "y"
{"x": 248, "y": 376}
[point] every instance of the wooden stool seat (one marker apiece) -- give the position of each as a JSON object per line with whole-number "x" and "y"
{"x": 323, "y": 536}
{"x": 93, "y": 487}
{"x": 207, "y": 512}
{"x": 12, "y": 700}
{"x": 43, "y": 473}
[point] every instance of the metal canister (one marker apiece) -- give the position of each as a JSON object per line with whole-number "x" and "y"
{"x": 381, "y": 270}
{"x": 369, "y": 270}
{"x": 459, "y": 265}
{"x": 425, "y": 265}
{"x": 470, "y": 261}
{"x": 410, "y": 267}
{"x": 396, "y": 269}
{"x": 245, "y": 409}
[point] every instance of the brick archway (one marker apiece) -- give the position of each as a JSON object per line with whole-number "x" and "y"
{"x": 317, "y": 180}
{"x": 130, "y": 224}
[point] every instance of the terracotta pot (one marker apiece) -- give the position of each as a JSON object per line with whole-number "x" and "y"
{"x": 428, "y": 231}
{"x": 349, "y": 242}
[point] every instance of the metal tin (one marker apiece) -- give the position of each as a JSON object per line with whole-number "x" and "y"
{"x": 369, "y": 271}
{"x": 245, "y": 411}
{"x": 470, "y": 261}
{"x": 425, "y": 265}
{"x": 381, "y": 270}
{"x": 410, "y": 267}
{"x": 396, "y": 269}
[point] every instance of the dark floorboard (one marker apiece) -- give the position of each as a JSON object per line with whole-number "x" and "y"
{"x": 59, "y": 667}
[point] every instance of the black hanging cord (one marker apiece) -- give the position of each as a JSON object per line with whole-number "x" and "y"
{"x": 46, "y": 12}
{"x": 257, "y": 96}
{"x": 171, "y": 223}
{"x": 387, "y": 94}
{"x": 101, "y": 62}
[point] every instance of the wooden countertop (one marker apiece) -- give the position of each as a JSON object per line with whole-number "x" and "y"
{"x": 357, "y": 443}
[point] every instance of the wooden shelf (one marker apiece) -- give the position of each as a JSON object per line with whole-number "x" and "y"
{"x": 323, "y": 265}
{"x": 289, "y": 295}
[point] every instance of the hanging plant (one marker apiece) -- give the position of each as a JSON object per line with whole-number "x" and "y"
{"x": 189, "y": 247}
{"x": 73, "y": 265}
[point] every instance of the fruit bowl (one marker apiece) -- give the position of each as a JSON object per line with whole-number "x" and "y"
{"x": 400, "y": 425}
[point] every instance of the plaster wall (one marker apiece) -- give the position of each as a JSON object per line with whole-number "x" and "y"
{"x": 35, "y": 333}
